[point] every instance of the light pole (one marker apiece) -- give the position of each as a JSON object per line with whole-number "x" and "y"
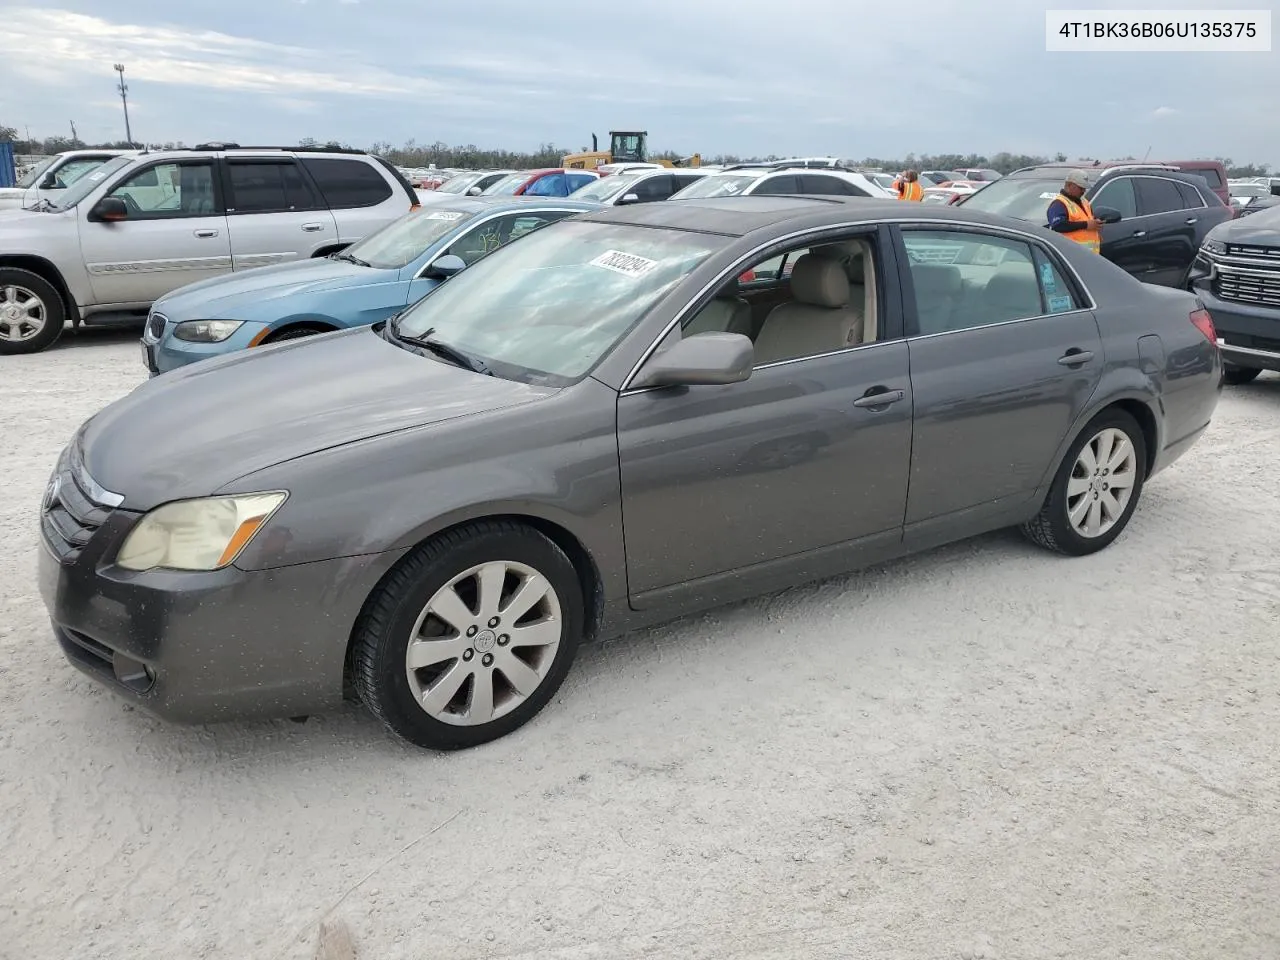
{"x": 124, "y": 99}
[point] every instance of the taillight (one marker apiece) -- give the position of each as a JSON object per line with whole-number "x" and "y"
{"x": 1204, "y": 323}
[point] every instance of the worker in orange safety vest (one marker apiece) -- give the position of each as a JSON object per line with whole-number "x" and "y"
{"x": 1070, "y": 213}
{"x": 909, "y": 187}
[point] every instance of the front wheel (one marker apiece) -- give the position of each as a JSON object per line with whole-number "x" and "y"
{"x": 1239, "y": 376}
{"x": 1096, "y": 489}
{"x": 470, "y": 637}
{"x": 31, "y": 312}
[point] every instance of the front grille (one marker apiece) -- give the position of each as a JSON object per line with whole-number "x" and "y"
{"x": 1254, "y": 286}
{"x": 1253, "y": 250}
{"x": 156, "y": 324}
{"x": 69, "y": 518}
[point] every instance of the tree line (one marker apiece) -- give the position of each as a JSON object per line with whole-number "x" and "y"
{"x": 469, "y": 156}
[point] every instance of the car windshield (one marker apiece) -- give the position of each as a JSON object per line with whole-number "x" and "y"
{"x": 549, "y": 308}
{"x": 507, "y": 186}
{"x": 459, "y": 184}
{"x": 606, "y": 188}
{"x": 716, "y": 186}
{"x": 35, "y": 173}
{"x": 1015, "y": 197}
{"x": 1248, "y": 190}
{"x": 404, "y": 240}
{"x": 90, "y": 182}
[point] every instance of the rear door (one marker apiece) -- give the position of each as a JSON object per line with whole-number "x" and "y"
{"x": 1004, "y": 358}
{"x": 274, "y": 214}
{"x": 778, "y": 185}
{"x": 356, "y": 192}
{"x": 824, "y": 185}
{"x": 1169, "y": 227}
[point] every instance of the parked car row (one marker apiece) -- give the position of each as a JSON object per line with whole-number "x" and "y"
{"x": 427, "y": 513}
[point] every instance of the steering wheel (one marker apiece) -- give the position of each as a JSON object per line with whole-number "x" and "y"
{"x": 130, "y": 204}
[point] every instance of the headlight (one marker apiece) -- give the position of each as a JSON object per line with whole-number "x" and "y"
{"x": 206, "y": 331}
{"x": 1213, "y": 247}
{"x": 205, "y": 534}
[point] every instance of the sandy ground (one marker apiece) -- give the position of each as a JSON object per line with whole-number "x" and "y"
{"x": 986, "y": 751}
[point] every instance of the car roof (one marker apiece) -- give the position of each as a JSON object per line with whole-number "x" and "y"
{"x": 739, "y": 216}
{"x": 504, "y": 204}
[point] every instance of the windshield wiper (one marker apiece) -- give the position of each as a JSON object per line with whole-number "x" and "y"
{"x": 439, "y": 348}
{"x": 350, "y": 259}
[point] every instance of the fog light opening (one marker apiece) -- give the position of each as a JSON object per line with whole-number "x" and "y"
{"x": 134, "y": 674}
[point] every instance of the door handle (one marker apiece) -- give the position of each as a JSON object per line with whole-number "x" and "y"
{"x": 206, "y": 233}
{"x": 1192, "y": 219}
{"x": 879, "y": 397}
{"x": 1139, "y": 233}
{"x": 1075, "y": 358}
{"x": 313, "y": 227}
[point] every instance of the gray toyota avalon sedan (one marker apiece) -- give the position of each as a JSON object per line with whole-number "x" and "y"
{"x": 623, "y": 417}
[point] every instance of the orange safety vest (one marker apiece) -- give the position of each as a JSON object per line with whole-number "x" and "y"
{"x": 1079, "y": 211}
{"x": 910, "y": 190}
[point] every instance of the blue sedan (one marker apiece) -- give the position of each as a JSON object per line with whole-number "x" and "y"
{"x": 369, "y": 281}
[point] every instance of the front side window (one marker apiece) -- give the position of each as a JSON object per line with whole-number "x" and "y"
{"x": 482, "y": 240}
{"x": 507, "y": 186}
{"x": 169, "y": 190}
{"x": 551, "y": 307}
{"x": 606, "y": 188}
{"x": 1117, "y": 194}
{"x": 460, "y": 184}
{"x": 963, "y": 280}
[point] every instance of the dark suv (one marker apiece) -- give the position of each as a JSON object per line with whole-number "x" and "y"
{"x": 1237, "y": 275}
{"x": 1164, "y": 215}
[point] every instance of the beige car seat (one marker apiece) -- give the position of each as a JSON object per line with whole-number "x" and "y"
{"x": 819, "y": 318}
{"x": 727, "y": 313}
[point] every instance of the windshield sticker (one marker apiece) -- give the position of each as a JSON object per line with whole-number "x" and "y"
{"x": 444, "y": 215}
{"x": 627, "y": 264}
{"x": 1059, "y": 304}
{"x": 1048, "y": 196}
{"x": 97, "y": 175}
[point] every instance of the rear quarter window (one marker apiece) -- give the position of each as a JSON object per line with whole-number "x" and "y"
{"x": 347, "y": 184}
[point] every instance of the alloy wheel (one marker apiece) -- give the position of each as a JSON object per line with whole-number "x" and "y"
{"x": 484, "y": 643}
{"x": 22, "y": 313}
{"x": 1102, "y": 482}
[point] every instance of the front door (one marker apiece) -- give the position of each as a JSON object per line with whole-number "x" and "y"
{"x": 1004, "y": 359}
{"x": 175, "y": 234}
{"x": 273, "y": 213}
{"x": 797, "y": 458}
{"x": 1124, "y": 243}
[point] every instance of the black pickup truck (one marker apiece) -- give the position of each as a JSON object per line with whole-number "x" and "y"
{"x": 1236, "y": 273}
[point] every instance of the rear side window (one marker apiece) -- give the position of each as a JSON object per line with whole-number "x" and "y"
{"x": 653, "y": 188}
{"x": 1190, "y": 195}
{"x": 1156, "y": 195}
{"x": 270, "y": 187}
{"x": 347, "y": 184}
{"x": 552, "y": 185}
{"x": 579, "y": 180}
{"x": 829, "y": 186}
{"x": 1058, "y": 295}
{"x": 775, "y": 186}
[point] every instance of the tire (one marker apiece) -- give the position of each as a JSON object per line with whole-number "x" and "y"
{"x": 1239, "y": 376}
{"x": 18, "y": 290}
{"x": 401, "y": 609}
{"x": 1053, "y": 528}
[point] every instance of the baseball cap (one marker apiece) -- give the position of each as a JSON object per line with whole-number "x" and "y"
{"x": 1078, "y": 177}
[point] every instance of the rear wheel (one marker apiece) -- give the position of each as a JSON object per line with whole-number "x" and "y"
{"x": 470, "y": 637}
{"x": 1238, "y": 376}
{"x": 1096, "y": 489}
{"x": 31, "y": 312}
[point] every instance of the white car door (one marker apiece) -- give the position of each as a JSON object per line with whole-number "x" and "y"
{"x": 174, "y": 233}
{"x": 273, "y": 213}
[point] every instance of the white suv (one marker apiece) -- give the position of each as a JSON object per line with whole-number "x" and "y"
{"x": 782, "y": 178}
{"x": 48, "y": 179}
{"x": 140, "y": 226}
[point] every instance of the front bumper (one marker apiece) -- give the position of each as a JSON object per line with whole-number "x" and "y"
{"x": 198, "y": 647}
{"x": 164, "y": 352}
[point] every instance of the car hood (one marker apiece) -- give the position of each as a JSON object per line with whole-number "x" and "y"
{"x": 190, "y": 432}
{"x": 217, "y": 295}
{"x": 18, "y": 220}
{"x": 1262, "y": 228}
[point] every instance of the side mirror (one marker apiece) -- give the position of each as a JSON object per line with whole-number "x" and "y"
{"x": 50, "y": 182}
{"x": 445, "y": 267}
{"x": 474, "y": 192}
{"x": 1107, "y": 214}
{"x": 629, "y": 198}
{"x": 109, "y": 210}
{"x": 705, "y": 359}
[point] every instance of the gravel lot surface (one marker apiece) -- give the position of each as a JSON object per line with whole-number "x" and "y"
{"x": 983, "y": 752}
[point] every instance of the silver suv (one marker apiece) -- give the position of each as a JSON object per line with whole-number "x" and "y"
{"x": 140, "y": 226}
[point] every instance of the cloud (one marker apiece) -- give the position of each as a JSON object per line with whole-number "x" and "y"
{"x": 815, "y": 77}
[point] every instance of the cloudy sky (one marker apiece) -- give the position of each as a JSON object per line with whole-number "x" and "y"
{"x": 845, "y": 77}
